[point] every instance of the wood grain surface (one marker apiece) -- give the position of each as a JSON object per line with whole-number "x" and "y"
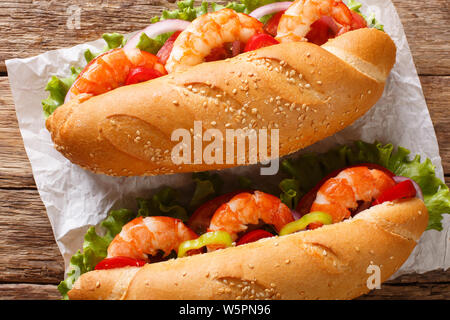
{"x": 30, "y": 263}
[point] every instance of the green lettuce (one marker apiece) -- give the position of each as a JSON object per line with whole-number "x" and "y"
{"x": 94, "y": 248}
{"x": 152, "y": 45}
{"x": 308, "y": 169}
{"x": 163, "y": 203}
{"x": 186, "y": 11}
{"x": 207, "y": 186}
{"x": 57, "y": 88}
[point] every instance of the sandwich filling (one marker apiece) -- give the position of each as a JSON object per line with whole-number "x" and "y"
{"x": 191, "y": 35}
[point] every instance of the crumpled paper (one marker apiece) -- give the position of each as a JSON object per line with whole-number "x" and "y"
{"x": 76, "y": 199}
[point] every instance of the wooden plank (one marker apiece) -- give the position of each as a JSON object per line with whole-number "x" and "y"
{"x": 32, "y": 27}
{"x": 15, "y": 170}
{"x": 29, "y": 292}
{"x": 428, "y": 291}
{"x": 28, "y": 251}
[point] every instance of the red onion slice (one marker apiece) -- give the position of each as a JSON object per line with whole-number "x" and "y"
{"x": 419, "y": 193}
{"x": 155, "y": 29}
{"x": 295, "y": 214}
{"x": 270, "y": 8}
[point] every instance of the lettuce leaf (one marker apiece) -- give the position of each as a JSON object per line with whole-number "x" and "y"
{"x": 163, "y": 203}
{"x": 152, "y": 45}
{"x": 57, "y": 88}
{"x": 207, "y": 186}
{"x": 186, "y": 11}
{"x": 94, "y": 248}
{"x": 307, "y": 170}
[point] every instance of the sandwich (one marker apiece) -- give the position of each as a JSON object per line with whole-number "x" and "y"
{"x": 338, "y": 224}
{"x": 300, "y": 77}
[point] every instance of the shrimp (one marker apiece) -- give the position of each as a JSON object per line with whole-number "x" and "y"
{"x": 296, "y": 22}
{"x": 142, "y": 237}
{"x": 338, "y": 195}
{"x": 110, "y": 70}
{"x": 246, "y": 208}
{"x": 208, "y": 32}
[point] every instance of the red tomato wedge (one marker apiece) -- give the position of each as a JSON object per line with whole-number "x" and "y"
{"x": 200, "y": 219}
{"x": 401, "y": 190}
{"x": 314, "y": 225}
{"x": 141, "y": 74}
{"x": 119, "y": 262}
{"x": 164, "y": 53}
{"x": 258, "y": 41}
{"x": 305, "y": 203}
{"x": 271, "y": 26}
{"x": 322, "y": 30}
{"x": 253, "y": 236}
{"x": 358, "y": 21}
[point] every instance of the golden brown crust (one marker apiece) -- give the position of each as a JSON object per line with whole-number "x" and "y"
{"x": 301, "y": 89}
{"x": 326, "y": 263}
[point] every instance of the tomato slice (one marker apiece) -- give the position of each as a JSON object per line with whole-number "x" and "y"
{"x": 200, "y": 219}
{"x": 253, "y": 236}
{"x": 119, "y": 262}
{"x": 272, "y": 25}
{"x": 258, "y": 41}
{"x": 305, "y": 203}
{"x": 141, "y": 74}
{"x": 358, "y": 21}
{"x": 322, "y": 30}
{"x": 164, "y": 53}
{"x": 404, "y": 189}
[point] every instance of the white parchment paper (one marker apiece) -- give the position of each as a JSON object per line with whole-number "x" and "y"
{"x": 76, "y": 199}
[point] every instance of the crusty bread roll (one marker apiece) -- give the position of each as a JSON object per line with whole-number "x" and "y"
{"x": 306, "y": 91}
{"x": 326, "y": 263}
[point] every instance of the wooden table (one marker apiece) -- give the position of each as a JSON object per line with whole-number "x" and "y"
{"x": 30, "y": 263}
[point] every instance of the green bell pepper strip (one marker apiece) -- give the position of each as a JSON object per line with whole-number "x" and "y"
{"x": 209, "y": 238}
{"x": 302, "y": 223}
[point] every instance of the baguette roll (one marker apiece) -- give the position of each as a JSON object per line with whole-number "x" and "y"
{"x": 326, "y": 263}
{"x": 306, "y": 91}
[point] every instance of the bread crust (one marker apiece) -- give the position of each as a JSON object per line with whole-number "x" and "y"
{"x": 306, "y": 91}
{"x": 326, "y": 263}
